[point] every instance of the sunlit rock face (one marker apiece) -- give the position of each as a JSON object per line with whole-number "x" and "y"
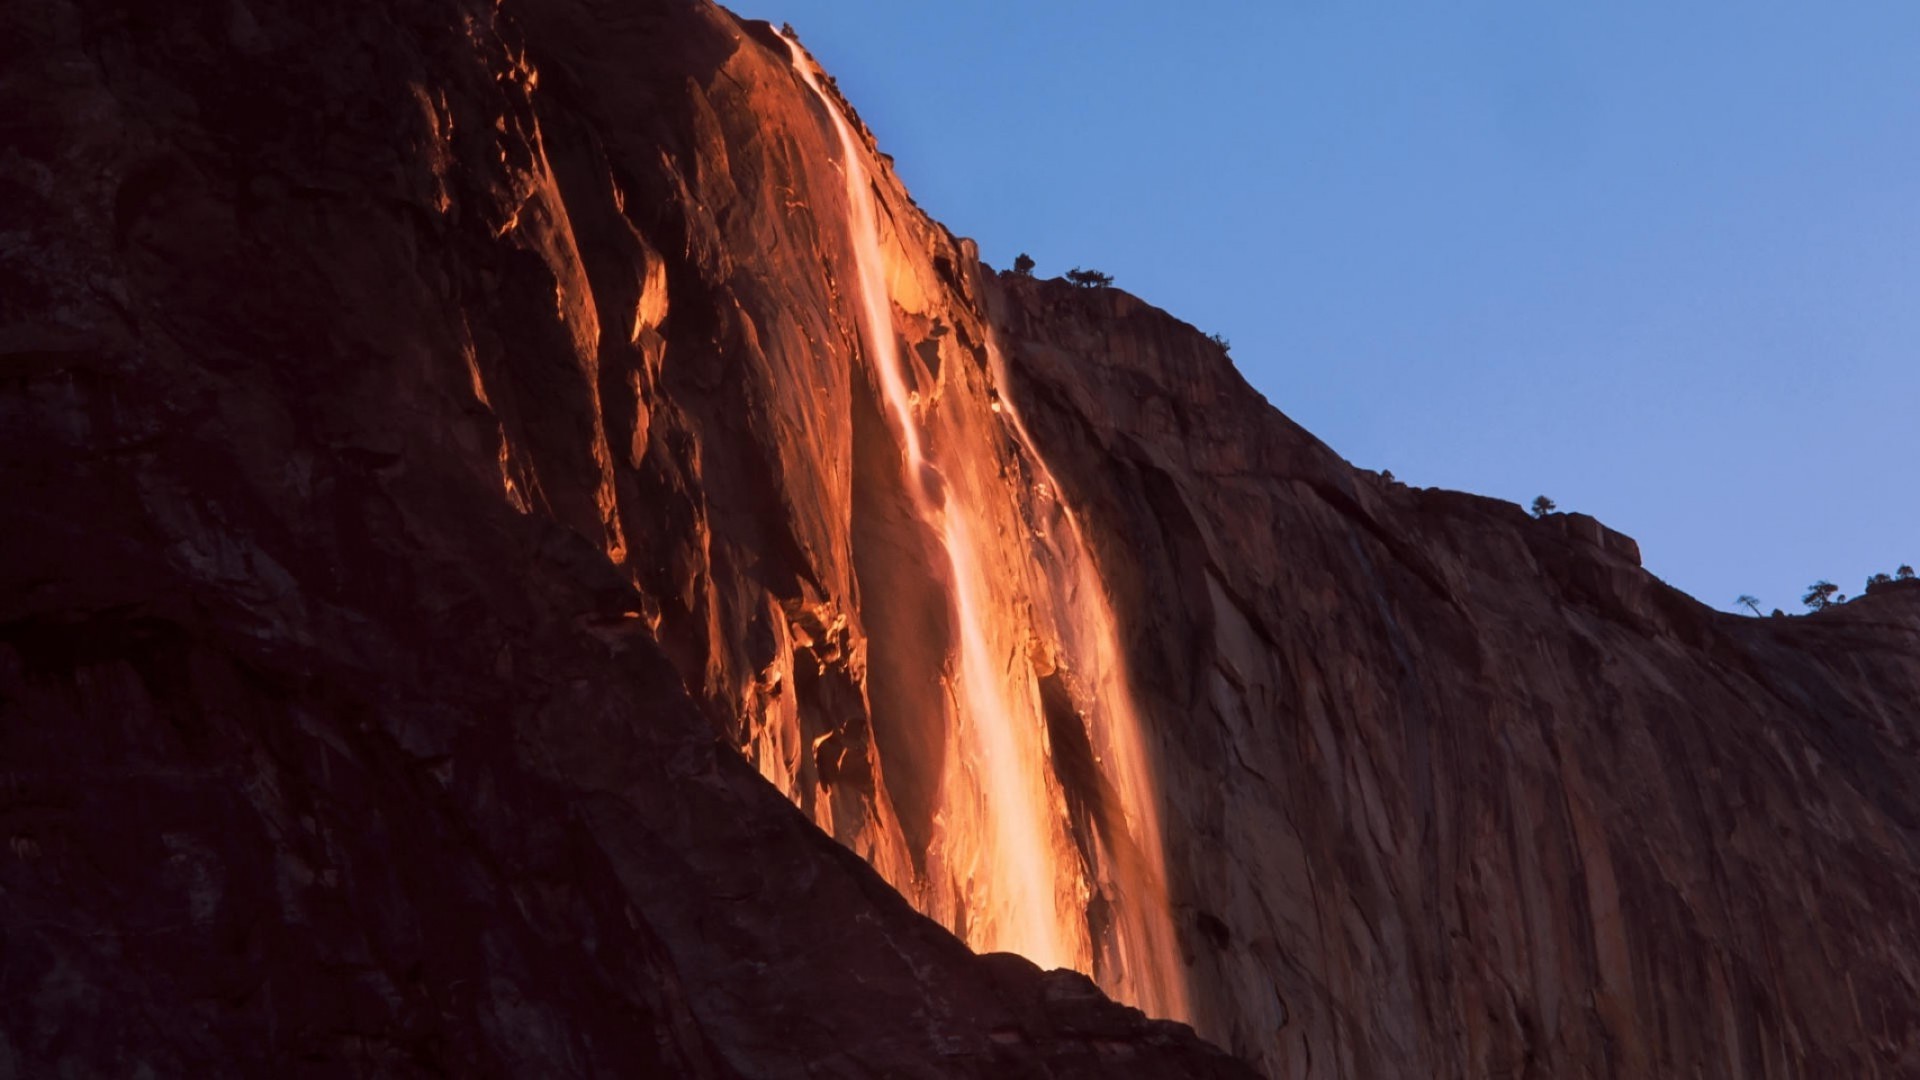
{"x": 499, "y": 489}
{"x": 1029, "y": 800}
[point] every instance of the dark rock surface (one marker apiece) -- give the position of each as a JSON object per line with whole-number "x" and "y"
{"x": 355, "y": 520}
{"x": 1457, "y": 792}
{"x": 446, "y": 537}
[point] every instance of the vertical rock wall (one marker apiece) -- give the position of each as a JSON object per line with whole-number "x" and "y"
{"x": 1457, "y": 792}
{"x": 430, "y": 460}
{"x": 443, "y": 467}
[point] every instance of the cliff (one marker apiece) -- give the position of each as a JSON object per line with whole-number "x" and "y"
{"x": 497, "y": 491}
{"x": 1457, "y": 792}
{"x": 424, "y": 425}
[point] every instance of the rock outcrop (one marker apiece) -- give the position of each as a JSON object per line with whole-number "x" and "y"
{"x": 464, "y": 573}
{"x": 427, "y": 432}
{"x": 1456, "y": 792}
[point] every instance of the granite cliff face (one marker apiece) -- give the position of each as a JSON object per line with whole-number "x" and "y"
{"x": 498, "y": 490}
{"x": 1456, "y": 792}
{"x": 430, "y": 461}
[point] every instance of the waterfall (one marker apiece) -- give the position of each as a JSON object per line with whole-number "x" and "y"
{"x": 1004, "y": 844}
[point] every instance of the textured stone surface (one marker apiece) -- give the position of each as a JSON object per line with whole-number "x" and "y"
{"x": 409, "y": 436}
{"x": 1457, "y": 792}
{"x": 448, "y": 532}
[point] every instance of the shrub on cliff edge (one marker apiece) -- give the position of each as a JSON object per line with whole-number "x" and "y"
{"x": 1820, "y": 595}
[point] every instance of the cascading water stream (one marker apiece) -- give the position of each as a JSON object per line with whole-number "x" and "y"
{"x": 1003, "y": 840}
{"x": 1147, "y": 947}
{"x": 1012, "y": 903}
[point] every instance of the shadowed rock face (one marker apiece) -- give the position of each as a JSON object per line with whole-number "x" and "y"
{"x": 422, "y": 427}
{"x": 452, "y": 527}
{"x": 1456, "y": 792}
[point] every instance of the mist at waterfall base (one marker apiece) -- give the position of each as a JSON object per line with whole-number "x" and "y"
{"x": 1655, "y": 262}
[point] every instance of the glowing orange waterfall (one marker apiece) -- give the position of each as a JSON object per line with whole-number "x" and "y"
{"x": 1005, "y": 869}
{"x": 1148, "y": 954}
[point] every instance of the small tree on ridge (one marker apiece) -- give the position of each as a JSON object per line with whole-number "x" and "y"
{"x": 1542, "y": 506}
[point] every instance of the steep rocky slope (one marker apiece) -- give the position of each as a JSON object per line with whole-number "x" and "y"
{"x": 385, "y": 551}
{"x": 450, "y": 450}
{"x": 1456, "y": 792}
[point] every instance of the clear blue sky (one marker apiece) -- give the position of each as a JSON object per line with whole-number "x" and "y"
{"x": 1659, "y": 261}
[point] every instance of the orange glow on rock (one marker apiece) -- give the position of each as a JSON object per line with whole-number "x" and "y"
{"x": 1035, "y": 652}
